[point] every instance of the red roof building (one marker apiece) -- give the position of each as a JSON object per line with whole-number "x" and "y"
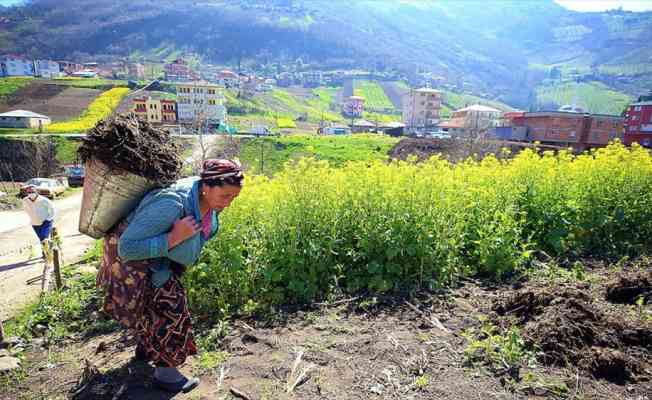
{"x": 638, "y": 124}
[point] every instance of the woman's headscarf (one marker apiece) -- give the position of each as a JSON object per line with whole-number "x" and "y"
{"x": 227, "y": 171}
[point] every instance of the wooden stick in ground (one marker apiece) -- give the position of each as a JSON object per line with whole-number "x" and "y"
{"x": 432, "y": 320}
{"x": 45, "y": 280}
{"x": 2, "y": 332}
{"x": 57, "y": 267}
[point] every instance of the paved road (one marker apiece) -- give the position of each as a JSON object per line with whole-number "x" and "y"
{"x": 20, "y": 251}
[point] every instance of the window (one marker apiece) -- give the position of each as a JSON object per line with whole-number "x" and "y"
{"x": 637, "y": 108}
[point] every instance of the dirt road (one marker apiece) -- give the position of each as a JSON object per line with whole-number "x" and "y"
{"x": 20, "y": 251}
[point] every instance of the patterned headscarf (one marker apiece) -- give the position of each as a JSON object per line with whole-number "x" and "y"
{"x": 225, "y": 170}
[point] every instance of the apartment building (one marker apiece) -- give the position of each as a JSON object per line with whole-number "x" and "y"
{"x": 421, "y": 109}
{"x": 155, "y": 111}
{"x": 200, "y": 100}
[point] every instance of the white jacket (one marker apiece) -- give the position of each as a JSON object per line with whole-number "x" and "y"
{"x": 39, "y": 210}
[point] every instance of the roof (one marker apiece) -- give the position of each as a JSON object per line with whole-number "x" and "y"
{"x": 642, "y": 103}
{"x": 363, "y": 122}
{"x": 356, "y": 98}
{"x": 23, "y": 114}
{"x": 479, "y": 107}
{"x": 554, "y": 114}
{"x": 427, "y": 90}
{"x": 197, "y": 84}
{"x": 393, "y": 125}
{"x": 453, "y": 123}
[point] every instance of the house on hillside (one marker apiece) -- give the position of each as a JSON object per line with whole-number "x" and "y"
{"x": 421, "y": 109}
{"x": 23, "y": 119}
{"x": 46, "y": 69}
{"x": 353, "y": 106}
{"x": 155, "y": 110}
{"x": 472, "y": 120}
{"x": 200, "y": 100}
{"x": 362, "y": 125}
{"x": 135, "y": 71}
{"x": 228, "y": 79}
{"x": 577, "y": 130}
{"x": 14, "y": 65}
{"x": 638, "y": 122}
{"x": 312, "y": 79}
{"x": 84, "y": 73}
{"x": 179, "y": 71}
{"x": 392, "y": 128}
{"x": 337, "y": 130}
{"x": 69, "y": 67}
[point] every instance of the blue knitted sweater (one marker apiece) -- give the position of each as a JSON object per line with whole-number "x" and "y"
{"x": 146, "y": 237}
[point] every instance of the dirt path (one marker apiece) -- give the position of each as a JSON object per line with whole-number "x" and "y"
{"x": 20, "y": 251}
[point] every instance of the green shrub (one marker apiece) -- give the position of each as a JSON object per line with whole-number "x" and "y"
{"x": 316, "y": 230}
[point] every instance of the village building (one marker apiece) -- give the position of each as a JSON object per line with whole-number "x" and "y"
{"x": 638, "y": 122}
{"x": 69, "y": 67}
{"x": 475, "y": 120}
{"x": 421, "y": 109}
{"x": 361, "y": 126}
{"x": 578, "y": 130}
{"x": 201, "y": 100}
{"x": 337, "y": 130}
{"x": 14, "y": 65}
{"x": 312, "y": 79}
{"x": 155, "y": 110}
{"x": 179, "y": 71}
{"x": 228, "y": 79}
{"x": 46, "y": 69}
{"x": 353, "y": 106}
{"x": 23, "y": 119}
{"x": 135, "y": 71}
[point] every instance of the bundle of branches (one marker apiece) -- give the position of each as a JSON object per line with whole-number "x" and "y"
{"x": 125, "y": 143}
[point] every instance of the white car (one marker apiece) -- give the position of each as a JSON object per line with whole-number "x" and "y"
{"x": 50, "y": 188}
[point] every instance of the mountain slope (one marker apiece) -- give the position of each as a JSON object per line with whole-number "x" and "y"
{"x": 485, "y": 49}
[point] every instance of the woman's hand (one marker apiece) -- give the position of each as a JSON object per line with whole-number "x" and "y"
{"x": 182, "y": 230}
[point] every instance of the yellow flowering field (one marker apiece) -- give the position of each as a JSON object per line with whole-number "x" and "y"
{"x": 100, "y": 108}
{"x": 315, "y": 230}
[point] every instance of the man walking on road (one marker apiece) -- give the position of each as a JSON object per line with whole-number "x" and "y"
{"x": 41, "y": 213}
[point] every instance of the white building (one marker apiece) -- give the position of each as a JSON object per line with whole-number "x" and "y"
{"x": 23, "y": 119}
{"x": 421, "y": 108}
{"x": 46, "y": 69}
{"x": 200, "y": 100}
{"x": 16, "y": 66}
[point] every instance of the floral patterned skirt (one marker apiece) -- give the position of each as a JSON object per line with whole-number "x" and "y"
{"x": 158, "y": 315}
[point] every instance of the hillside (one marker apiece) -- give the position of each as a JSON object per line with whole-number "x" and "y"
{"x": 502, "y": 50}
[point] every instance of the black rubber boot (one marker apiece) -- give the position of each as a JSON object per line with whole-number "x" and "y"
{"x": 185, "y": 385}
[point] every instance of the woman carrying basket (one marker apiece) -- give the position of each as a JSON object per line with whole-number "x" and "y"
{"x": 145, "y": 256}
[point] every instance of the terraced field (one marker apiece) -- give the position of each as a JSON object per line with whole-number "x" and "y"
{"x": 375, "y": 97}
{"x": 593, "y": 97}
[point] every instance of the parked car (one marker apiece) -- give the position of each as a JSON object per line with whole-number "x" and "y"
{"x": 49, "y": 188}
{"x": 76, "y": 176}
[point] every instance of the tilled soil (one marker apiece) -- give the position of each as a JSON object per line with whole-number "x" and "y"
{"x": 572, "y": 324}
{"x": 59, "y": 102}
{"x": 125, "y": 143}
{"x": 384, "y": 348}
{"x": 631, "y": 286}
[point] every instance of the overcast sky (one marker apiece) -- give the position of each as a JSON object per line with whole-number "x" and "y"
{"x": 602, "y": 5}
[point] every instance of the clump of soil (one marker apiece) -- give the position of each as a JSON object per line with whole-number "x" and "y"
{"x": 628, "y": 286}
{"x": 126, "y": 143}
{"x": 423, "y": 149}
{"x": 570, "y": 328}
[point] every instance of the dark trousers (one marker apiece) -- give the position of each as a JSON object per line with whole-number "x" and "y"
{"x": 43, "y": 230}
